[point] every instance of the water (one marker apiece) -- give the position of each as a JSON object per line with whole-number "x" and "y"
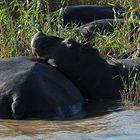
{"x": 109, "y": 121}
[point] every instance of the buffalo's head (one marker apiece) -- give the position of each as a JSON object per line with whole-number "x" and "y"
{"x": 66, "y": 54}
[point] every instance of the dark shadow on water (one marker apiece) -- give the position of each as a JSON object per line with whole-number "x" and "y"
{"x": 103, "y": 107}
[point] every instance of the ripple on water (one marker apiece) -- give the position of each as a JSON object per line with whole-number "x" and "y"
{"x": 112, "y": 124}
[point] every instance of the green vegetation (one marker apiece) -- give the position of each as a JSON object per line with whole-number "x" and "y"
{"x": 20, "y": 20}
{"x": 131, "y": 93}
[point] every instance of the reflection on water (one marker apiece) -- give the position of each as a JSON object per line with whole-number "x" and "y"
{"x": 112, "y": 124}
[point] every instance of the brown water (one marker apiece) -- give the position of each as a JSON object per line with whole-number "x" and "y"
{"x": 109, "y": 122}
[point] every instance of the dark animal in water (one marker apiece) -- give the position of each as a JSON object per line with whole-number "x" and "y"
{"x": 31, "y": 89}
{"x": 93, "y": 75}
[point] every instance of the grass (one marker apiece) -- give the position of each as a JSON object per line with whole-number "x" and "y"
{"x": 19, "y": 21}
{"x": 16, "y": 31}
{"x": 131, "y": 92}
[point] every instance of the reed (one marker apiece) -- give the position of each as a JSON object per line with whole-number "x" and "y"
{"x": 131, "y": 92}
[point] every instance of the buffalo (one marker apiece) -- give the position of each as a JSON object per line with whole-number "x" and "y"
{"x": 31, "y": 89}
{"x": 103, "y": 26}
{"x": 82, "y": 14}
{"x": 96, "y": 18}
{"x": 95, "y": 77}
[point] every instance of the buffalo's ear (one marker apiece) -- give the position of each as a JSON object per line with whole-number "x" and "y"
{"x": 68, "y": 42}
{"x": 85, "y": 47}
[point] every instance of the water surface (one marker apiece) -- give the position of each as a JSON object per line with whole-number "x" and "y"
{"x": 109, "y": 121}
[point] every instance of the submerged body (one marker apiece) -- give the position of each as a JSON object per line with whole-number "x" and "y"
{"x": 30, "y": 89}
{"x": 94, "y": 76}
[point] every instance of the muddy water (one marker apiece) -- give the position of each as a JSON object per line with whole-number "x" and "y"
{"x": 109, "y": 121}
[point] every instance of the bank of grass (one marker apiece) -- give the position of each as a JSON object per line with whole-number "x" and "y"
{"x": 131, "y": 93}
{"x": 19, "y": 21}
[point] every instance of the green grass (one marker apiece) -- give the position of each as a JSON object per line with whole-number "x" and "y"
{"x": 16, "y": 31}
{"x": 131, "y": 93}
